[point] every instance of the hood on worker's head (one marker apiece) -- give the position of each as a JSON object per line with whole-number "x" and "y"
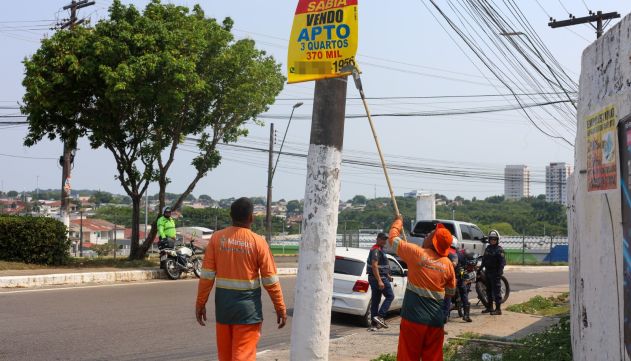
{"x": 442, "y": 240}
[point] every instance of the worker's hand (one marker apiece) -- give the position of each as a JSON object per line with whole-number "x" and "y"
{"x": 281, "y": 319}
{"x": 398, "y": 217}
{"x": 200, "y": 313}
{"x": 381, "y": 285}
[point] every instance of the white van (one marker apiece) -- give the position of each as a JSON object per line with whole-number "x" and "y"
{"x": 469, "y": 235}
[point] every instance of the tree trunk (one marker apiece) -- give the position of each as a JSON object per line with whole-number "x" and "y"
{"x": 135, "y": 251}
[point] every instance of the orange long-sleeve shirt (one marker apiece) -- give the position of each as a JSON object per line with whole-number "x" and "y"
{"x": 237, "y": 261}
{"x": 430, "y": 278}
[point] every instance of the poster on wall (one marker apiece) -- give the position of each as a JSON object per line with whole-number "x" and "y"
{"x": 601, "y": 150}
{"x": 624, "y": 135}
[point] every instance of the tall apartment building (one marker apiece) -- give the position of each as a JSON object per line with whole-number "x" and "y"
{"x": 516, "y": 182}
{"x": 556, "y": 182}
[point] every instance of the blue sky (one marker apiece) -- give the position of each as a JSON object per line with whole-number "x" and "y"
{"x": 403, "y": 51}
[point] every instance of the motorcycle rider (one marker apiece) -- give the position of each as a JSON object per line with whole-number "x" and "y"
{"x": 493, "y": 262}
{"x": 166, "y": 229}
{"x": 462, "y": 286}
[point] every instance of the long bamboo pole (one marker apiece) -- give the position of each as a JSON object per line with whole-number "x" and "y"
{"x": 358, "y": 85}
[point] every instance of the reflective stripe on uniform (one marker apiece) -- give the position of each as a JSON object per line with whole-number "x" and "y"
{"x": 423, "y": 292}
{"x": 234, "y": 284}
{"x": 395, "y": 243}
{"x": 268, "y": 281}
{"x": 207, "y": 274}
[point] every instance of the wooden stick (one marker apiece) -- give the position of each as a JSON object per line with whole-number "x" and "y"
{"x": 383, "y": 161}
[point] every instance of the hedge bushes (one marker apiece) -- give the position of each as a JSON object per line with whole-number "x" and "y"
{"x": 33, "y": 240}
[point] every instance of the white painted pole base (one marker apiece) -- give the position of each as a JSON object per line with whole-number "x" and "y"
{"x": 311, "y": 322}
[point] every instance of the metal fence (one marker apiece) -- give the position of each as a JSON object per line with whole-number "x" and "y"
{"x": 518, "y": 249}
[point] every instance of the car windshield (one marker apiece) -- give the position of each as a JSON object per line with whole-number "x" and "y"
{"x": 422, "y": 228}
{"x": 347, "y": 266}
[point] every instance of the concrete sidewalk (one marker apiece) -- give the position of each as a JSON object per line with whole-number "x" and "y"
{"x": 363, "y": 345}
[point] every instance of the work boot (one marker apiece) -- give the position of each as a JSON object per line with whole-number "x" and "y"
{"x": 498, "y": 310}
{"x": 488, "y": 309}
{"x": 466, "y": 317}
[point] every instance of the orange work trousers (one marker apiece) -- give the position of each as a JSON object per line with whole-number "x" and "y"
{"x": 237, "y": 342}
{"x": 420, "y": 342}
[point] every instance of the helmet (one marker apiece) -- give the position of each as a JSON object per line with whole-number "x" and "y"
{"x": 494, "y": 234}
{"x": 454, "y": 242}
{"x": 166, "y": 209}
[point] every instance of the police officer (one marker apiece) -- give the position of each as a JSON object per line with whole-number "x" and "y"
{"x": 462, "y": 285}
{"x": 166, "y": 229}
{"x": 493, "y": 262}
{"x": 379, "y": 277}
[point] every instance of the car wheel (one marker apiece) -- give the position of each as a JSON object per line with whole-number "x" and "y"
{"x": 367, "y": 318}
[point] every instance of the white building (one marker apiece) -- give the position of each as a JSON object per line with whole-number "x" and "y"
{"x": 516, "y": 182}
{"x": 556, "y": 182}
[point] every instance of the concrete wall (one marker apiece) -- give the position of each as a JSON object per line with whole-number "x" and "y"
{"x": 596, "y": 278}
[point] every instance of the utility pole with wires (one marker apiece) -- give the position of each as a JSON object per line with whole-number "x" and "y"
{"x": 270, "y": 176}
{"x": 67, "y": 159}
{"x": 597, "y": 17}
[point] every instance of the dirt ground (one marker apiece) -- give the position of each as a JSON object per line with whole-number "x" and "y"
{"x": 365, "y": 345}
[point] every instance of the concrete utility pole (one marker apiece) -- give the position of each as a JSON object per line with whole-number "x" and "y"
{"x": 597, "y": 17}
{"x": 270, "y": 175}
{"x": 67, "y": 158}
{"x": 314, "y": 285}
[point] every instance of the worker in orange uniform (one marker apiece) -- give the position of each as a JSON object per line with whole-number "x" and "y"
{"x": 431, "y": 278}
{"x": 237, "y": 262}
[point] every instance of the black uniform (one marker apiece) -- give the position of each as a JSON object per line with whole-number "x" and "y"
{"x": 463, "y": 288}
{"x": 493, "y": 262}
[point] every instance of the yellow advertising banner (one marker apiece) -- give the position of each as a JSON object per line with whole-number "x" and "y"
{"x": 602, "y": 163}
{"x": 323, "y": 39}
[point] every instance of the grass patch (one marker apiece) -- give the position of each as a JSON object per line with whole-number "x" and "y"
{"x": 103, "y": 262}
{"x": 552, "y": 344}
{"x": 386, "y": 357}
{"x": 9, "y": 266}
{"x": 544, "y": 306}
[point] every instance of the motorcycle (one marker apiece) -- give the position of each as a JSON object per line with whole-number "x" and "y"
{"x": 480, "y": 289}
{"x": 472, "y": 273}
{"x": 175, "y": 260}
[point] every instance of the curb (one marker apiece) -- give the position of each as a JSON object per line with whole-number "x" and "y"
{"x": 94, "y": 277}
{"x": 535, "y": 269}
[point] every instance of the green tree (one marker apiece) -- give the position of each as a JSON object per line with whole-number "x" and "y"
{"x": 12, "y": 194}
{"x": 103, "y": 249}
{"x": 139, "y": 84}
{"x": 294, "y": 206}
{"x": 101, "y": 197}
{"x": 359, "y": 200}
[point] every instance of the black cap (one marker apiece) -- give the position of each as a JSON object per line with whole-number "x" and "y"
{"x": 382, "y": 235}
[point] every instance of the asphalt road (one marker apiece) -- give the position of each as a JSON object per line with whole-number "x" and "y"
{"x": 143, "y": 321}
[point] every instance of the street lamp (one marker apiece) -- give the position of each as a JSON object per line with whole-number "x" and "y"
{"x": 271, "y": 172}
{"x": 297, "y": 105}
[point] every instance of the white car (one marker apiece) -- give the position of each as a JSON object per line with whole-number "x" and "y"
{"x": 351, "y": 290}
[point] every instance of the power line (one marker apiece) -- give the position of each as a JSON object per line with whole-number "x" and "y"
{"x": 26, "y": 157}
